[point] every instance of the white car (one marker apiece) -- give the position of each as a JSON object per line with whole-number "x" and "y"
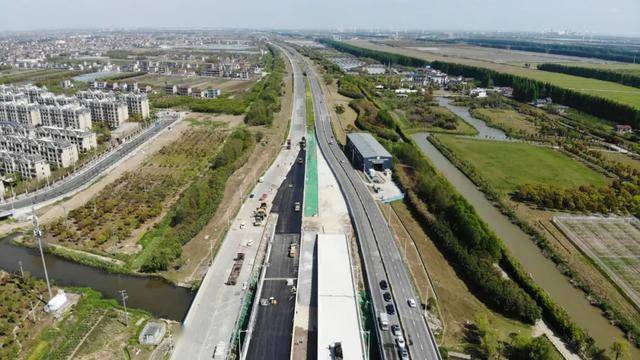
{"x": 411, "y": 302}
{"x": 401, "y": 343}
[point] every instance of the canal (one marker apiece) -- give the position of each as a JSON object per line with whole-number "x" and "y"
{"x": 159, "y": 297}
{"x": 484, "y": 131}
{"x": 542, "y": 270}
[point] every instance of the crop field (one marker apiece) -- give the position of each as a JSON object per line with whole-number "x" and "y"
{"x": 158, "y": 81}
{"x": 610, "y": 90}
{"x": 506, "y": 165}
{"x": 124, "y": 208}
{"x": 613, "y": 243}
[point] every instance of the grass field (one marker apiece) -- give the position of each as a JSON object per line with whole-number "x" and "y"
{"x": 614, "y": 91}
{"x": 507, "y": 165}
{"x": 612, "y": 243}
{"x": 624, "y": 159}
{"x": 508, "y": 119}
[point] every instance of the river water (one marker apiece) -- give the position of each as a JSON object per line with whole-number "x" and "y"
{"x": 153, "y": 294}
{"x": 94, "y": 75}
{"x": 484, "y": 131}
{"x": 542, "y": 270}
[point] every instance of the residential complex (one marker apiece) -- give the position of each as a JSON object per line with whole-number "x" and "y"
{"x": 58, "y": 152}
{"x": 65, "y": 116}
{"x": 27, "y": 165}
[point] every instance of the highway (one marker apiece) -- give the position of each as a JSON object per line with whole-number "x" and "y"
{"x": 381, "y": 257}
{"x": 271, "y": 336}
{"x": 84, "y": 176}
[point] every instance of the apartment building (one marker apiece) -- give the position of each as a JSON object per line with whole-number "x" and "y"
{"x": 82, "y": 139}
{"x": 108, "y": 111}
{"x": 184, "y": 90}
{"x": 67, "y": 116}
{"x": 212, "y": 93}
{"x": 20, "y": 112}
{"x": 137, "y": 104}
{"x": 170, "y": 89}
{"x": 13, "y": 96}
{"x": 52, "y": 99}
{"x": 28, "y": 166}
{"x": 60, "y": 153}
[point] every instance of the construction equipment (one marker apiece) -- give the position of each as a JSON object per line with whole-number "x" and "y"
{"x": 303, "y": 143}
{"x": 296, "y": 206}
{"x": 293, "y": 250}
{"x": 235, "y": 269}
{"x": 260, "y": 214}
{"x": 288, "y": 144}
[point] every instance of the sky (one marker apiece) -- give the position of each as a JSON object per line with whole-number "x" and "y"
{"x": 619, "y": 17}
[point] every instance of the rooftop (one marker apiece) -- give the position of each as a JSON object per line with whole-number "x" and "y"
{"x": 367, "y": 145}
{"x": 337, "y": 303}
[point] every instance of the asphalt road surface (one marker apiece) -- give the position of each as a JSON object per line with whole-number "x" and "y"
{"x": 380, "y": 254}
{"x": 272, "y": 334}
{"x": 82, "y": 177}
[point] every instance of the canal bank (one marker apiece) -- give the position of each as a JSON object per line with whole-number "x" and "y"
{"x": 154, "y": 294}
{"x": 542, "y": 270}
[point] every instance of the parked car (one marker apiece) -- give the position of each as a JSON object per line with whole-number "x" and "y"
{"x": 401, "y": 343}
{"x": 386, "y": 296}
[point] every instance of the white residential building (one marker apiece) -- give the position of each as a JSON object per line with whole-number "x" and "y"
{"x": 66, "y": 116}
{"x": 82, "y": 139}
{"x": 137, "y": 104}
{"x": 20, "y": 113}
{"x": 61, "y": 153}
{"x": 28, "y": 166}
{"x": 110, "y": 112}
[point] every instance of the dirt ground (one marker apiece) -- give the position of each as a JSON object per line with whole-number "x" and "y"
{"x": 158, "y": 81}
{"x": 196, "y": 251}
{"x": 597, "y": 280}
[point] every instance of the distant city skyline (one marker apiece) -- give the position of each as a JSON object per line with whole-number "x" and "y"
{"x": 613, "y": 17}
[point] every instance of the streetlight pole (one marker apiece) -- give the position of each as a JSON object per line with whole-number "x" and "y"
{"x": 38, "y": 235}
{"x": 123, "y": 294}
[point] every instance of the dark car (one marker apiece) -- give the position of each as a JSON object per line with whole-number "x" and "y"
{"x": 384, "y": 285}
{"x": 386, "y": 296}
{"x": 390, "y": 309}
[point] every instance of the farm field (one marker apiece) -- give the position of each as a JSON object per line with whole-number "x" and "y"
{"x": 39, "y": 75}
{"x": 113, "y": 220}
{"x": 609, "y": 90}
{"x": 624, "y": 159}
{"x": 612, "y": 243}
{"x": 157, "y": 82}
{"x": 509, "y": 119}
{"x": 506, "y": 165}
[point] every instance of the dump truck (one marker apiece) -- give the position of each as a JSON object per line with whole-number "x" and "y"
{"x": 288, "y": 144}
{"x": 260, "y": 214}
{"x": 235, "y": 269}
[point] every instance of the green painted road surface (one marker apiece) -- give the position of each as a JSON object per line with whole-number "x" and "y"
{"x": 311, "y": 180}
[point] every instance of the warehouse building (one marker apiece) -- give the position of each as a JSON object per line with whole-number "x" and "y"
{"x": 366, "y": 153}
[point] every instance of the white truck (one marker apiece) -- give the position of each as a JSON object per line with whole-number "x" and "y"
{"x": 383, "y": 319}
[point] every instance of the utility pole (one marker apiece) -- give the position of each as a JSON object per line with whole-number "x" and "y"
{"x": 21, "y": 269}
{"x": 123, "y": 294}
{"x": 38, "y": 234}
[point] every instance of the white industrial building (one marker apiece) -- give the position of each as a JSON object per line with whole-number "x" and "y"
{"x": 339, "y": 328}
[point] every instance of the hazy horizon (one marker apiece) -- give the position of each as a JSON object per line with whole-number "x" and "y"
{"x": 614, "y": 17}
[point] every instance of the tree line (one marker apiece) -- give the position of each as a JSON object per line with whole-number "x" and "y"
{"x": 606, "y": 52}
{"x": 593, "y": 73}
{"x": 265, "y": 96}
{"x": 524, "y": 89}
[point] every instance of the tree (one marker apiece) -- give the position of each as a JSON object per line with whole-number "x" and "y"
{"x": 620, "y": 350}
{"x": 339, "y": 109}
